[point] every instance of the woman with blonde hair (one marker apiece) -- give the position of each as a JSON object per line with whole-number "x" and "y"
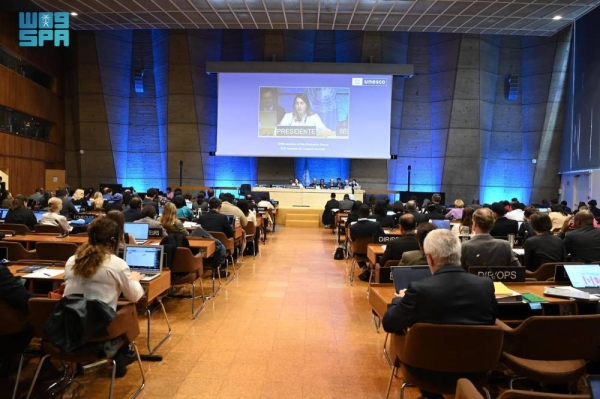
{"x": 53, "y": 216}
{"x": 170, "y": 222}
{"x": 97, "y": 201}
{"x": 97, "y": 273}
{"x": 78, "y": 198}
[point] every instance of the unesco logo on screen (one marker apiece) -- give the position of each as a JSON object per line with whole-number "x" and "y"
{"x": 37, "y": 28}
{"x": 369, "y": 82}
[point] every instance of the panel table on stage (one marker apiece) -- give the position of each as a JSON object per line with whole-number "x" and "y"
{"x": 290, "y": 197}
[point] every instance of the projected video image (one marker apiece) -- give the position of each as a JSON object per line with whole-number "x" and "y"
{"x": 307, "y": 112}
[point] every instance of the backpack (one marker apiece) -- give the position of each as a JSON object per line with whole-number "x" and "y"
{"x": 340, "y": 253}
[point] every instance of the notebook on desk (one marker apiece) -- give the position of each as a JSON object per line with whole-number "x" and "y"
{"x": 404, "y": 275}
{"x": 145, "y": 259}
{"x": 139, "y": 231}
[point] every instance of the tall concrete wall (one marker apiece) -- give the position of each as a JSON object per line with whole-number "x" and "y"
{"x": 452, "y": 122}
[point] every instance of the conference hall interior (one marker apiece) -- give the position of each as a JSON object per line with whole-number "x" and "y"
{"x": 294, "y": 123}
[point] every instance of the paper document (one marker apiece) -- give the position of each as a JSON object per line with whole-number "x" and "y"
{"x": 500, "y": 289}
{"x": 45, "y": 273}
{"x": 189, "y": 224}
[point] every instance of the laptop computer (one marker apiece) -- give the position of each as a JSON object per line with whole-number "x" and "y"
{"x": 77, "y": 208}
{"x": 39, "y": 214}
{"x": 585, "y": 278}
{"x": 139, "y": 231}
{"x": 145, "y": 259}
{"x": 440, "y": 224}
{"x": 3, "y": 212}
{"x": 404, "y": 275}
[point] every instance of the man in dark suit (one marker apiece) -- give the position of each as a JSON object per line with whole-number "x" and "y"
{"x": 483, "y": 249}
{"x": 583, "y": 243}
{"x": 327, "y": 217}
{"x": 449, "y": 296}
{"x": 411, "y": 208}
{"x": 133, "y": 212}
{"x": 364, "y": 228}
{"x": 268, "y": 102}
{"x": 439, "y": 208}
{"x": 151, "y": 199}
{"x": 214, "y": 220}
{"x": 502, "y": 226}
{"x": 68, "y": 209}
{"x": 407, "y": 241}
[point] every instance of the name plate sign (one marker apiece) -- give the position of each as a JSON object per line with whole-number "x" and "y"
{"x": 296, "y": 131}
{"x": 383, "y": 238}
{"x": 154, "y": 232}
{"x": 505, "y": 274}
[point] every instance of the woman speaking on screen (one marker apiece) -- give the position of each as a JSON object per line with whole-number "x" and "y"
{"x": 303, "y": 116}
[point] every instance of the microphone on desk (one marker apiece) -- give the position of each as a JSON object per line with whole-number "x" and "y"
{"x": 489, "y": 269}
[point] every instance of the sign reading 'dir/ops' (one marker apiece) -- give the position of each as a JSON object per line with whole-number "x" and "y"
{"x": 37, "y": 28}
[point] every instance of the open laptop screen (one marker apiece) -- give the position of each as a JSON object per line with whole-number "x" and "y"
{"x": 77, "y": 208}
{"x": 139, "y": 231}
{"x": 440, "y": 224}
{"x": 144, "y": 258}
{"x": 39, "y": 214}
{"x": 584, "y": 276}
{"x": 3, "y": 212}
{"x": 404, "y": 275}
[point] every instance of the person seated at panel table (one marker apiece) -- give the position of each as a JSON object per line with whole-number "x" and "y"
{"x": 169, "y": 221}
{"x": 449, "y": 296}
{"x": 53, "y": 216}
{"x": 149, "y": 216}
{"x": 97, "y": 273}
{"x": 302, "y": 115}
{"x": 314, "y": 183}
{"x": 214, "y": 220}
{"x": 295, "y": 183}
{"x": 322, "y": 184}
{"x": 543, "y": 247}
{"x": 407, "y": 241}
{"x": 20, "y": 214}
{"x": 483, "y": 249}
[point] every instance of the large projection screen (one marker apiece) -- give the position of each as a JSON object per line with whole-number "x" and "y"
{"x": 304, "y": 115}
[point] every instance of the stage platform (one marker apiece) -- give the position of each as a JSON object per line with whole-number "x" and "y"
{"x": 299, "y": 216}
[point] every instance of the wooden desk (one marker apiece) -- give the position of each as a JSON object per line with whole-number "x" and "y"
{"x": 152, "y": 288}
{"x": 374, "y": 251}
{"x": 31, "y": 239}
{"x": 395, "y": 232}
{"x": 205, "y": 245}
{"x": 381, "y": 295}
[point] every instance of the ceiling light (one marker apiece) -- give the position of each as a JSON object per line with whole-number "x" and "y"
{"x": 74, "y": 14}
{"x": 557, "y": 17}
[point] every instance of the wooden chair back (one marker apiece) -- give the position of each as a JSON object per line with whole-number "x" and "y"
{"x": 61, "y": 251}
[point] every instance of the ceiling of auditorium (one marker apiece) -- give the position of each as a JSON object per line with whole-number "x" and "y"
{"x": 507, "y": 17}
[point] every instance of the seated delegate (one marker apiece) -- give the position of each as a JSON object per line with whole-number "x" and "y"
{"x": 97, "y": 273}
{"x": 302, "y": 115}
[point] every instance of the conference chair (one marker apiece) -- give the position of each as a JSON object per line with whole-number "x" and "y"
{"x": 61, "y": 251}
{"x": 188, "y": 269}
{"x": 546, "y": 270}
{"x": 16, "y": 251}
{"x": 475, "y": 351}
{"x": 48, "y": 228}
{"x": 358, "y": 248}
{"x": 551, "y": 349}
{"x": 466, "y": 390}
{"x": 17, "y": 228}
{"x": 125, "y": 325}
{"x": 250, "y": 230}
{"x": 14, "y": 336}
{"x": 229, "y": 246}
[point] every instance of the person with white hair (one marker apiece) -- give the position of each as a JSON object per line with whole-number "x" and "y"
{"x": 449, "y": 296}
